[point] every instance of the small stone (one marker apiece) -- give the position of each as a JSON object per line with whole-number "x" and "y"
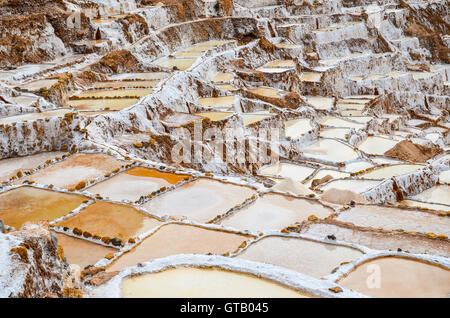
{"x": 336, "y": 289}
{"x": 116, "y": 241}
{"x": 331, "y": 237}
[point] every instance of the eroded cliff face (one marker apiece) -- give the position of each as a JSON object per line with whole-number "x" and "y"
{"x": 32, "y": 264}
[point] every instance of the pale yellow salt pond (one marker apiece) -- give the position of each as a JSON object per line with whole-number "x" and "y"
{"x": 139, "y": 76}
{"x": 389, "y": 218}
{"x": 10, "y": 167}
{"x": 297, "y": 127}
{"x": 253, "y": 118}
{"x": 173, "y": 239}
{"x": 217, "y": 102}
{"x": 189, "y": 282}
{"x": 215, "y": 116}
{"x": 358, "y": 186}
{"x": 34, "y": 116}
{"x": 319, "y": 102}
{"x": 223, "y": 77}
{"x": 311, "y": 77}
{"x": 375, "y": 145}
{"x": 287, "y": 170}
{"x": 274, "y": 212}
{"x": 97, "y": 104}
{"x": 338, "y": 122}
{"x": 266, "y": 92}
{"x": 181, "y": 64}
{"x": 438, "y": 194}
{"x": 391, "y": 171}
{"x": 308, "y": 257}
{"x": 134, "y": 183}
{"x": 330, "y": 150}
{"x": 82, "y": 252}
{"x": 200, "y": 200}
{"x": 125, "y": 84}
{"x": 339, "y": 133}
{"x": 111, "y": 220}
{"x": 418, "y": 204}
{"x": 281, "y": 64}
{"x": 27, "y": 204}
{"x": 444, "y": 177}
{"x": 287, "y": 46}
{"x": 75, "y": 169}
{"x": 357, "y": 166}
{"x": 129, "y": 93}
{"x": 399, "y": 277}
{"x": 228, "y": 87}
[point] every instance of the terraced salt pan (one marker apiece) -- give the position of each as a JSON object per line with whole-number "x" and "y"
{"x": 11, "y": 166}
{"x": 138, "y": 92}
{"x": 438, "y": 194}
{"x": 351, "y": 113}
{"x": 330, "y": 150}
{"x": 125, "y": 84}
{"x": 253, "y": 118}
{"x": 39, "y": 84}
{"x": 297, "y": 127}
{"x": 308, "y": 257}
{"x": 338, "y": 122}
{"x": 358, "y": 186}
{"x": 266, "y": 92}
{"x": 181, "y": 64}
{"x": 223, "y": 77}
{"x": 228, "y": 87}
{"x": 287, "y": 170}
{"x": 358, "y": 165}
{"x": 139, "y": 76}
{"x": 339, "y": 133}
{"x": 273, "y": 70}
{"x": 97, "y": 104}
{"x": 393, "y": 218}
{"x": 392, "y": 171}
{"x": 311, "y": 77}
{"x": 418, "y": 204}
{"x": 217, "y": 102}
{"x": 34, "y": 116}
{"x": 375, "y": 145}
{"x": 274, "y": 212}
{"x": 134, "y": 183}
{"x": 82, "y": 252}
{"x": 201, "y": 200}
{"x": 319, "y": 102}
{"x": 111, "y": 220}
{"x": 399, "y": 277}
{"x": 27, "y": 204}
{"x": 444, "y": 177}
{"x": 189, "y": 282}
{"x": 327, "y": 172}
{"x": 173, "y": 239}
{"x": 281, "y": 64}
{"x": 215, "y": 116}
{"x": 75, "y": 169}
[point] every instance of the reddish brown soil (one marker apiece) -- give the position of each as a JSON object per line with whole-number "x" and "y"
{"x": 408, "y": 151}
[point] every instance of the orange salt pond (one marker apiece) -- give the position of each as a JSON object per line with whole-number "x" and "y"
{"x": 201, "y": 200}
{"x": 399, "y": 277}
{"x": 75, "y": 169}
{"x": 82, "y": 252}
{"x": 176, "y": 239}
{"x": 134, "y": 183}
{"x": 274, "y": 212}
{"x": 112, "y": 220}
{"x": 308, "y": 257}
{"x": 27, "y": 204}
{"x": 190, "y": 282}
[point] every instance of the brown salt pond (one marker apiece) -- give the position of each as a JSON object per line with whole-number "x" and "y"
{"x": 134, "y": 183}
{"x": 274, "y": 212}
{"x": 308, "y": 257}
{"x": 201, "y": 200}
{"x": 112, "y": 220}
{"x": 82, "y": 252}
{"x": 11, "y": 166}
{"x": 393, "y": 218}
{"x": 399, "y": 277}
{"x": 266, "y": 92}
{"x": 190, "y": 282}
{"x": 173, "y": 239}
{"x": 96, "y": 104}
{"x": 27, "y": 204}
{"x": 77, "y": 168}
